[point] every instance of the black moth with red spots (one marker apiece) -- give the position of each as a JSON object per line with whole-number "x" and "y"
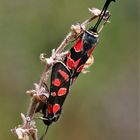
{"x": 60, "y": 83}
{"x": 80, "y": 52}
{"x": 65, "y": 73}
{"x": 83, "y": 48}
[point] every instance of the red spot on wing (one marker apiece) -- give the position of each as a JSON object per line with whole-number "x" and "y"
{"x": 76, "y": 63}
{"x": 56, "y": 82}
{"x": 80, "y": 68}
{"x": 56, "y": 108}
{"x": 72, "y": 64}
{"x": 78, "y": 46}
{"x": 64, "y": 74}
{"x": 69, "y": 63}
{"x": 53, "y": 94}
{"x": 68, "y": 54}
{"x": 62, "y": 91}
{"x": 91, "y": 50}
{"x": 49, "y": 108}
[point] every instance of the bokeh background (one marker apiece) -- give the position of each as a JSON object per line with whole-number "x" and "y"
{"x": 102, "y": 104}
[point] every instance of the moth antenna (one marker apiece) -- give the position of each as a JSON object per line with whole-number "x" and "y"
{"x": 94, "y": 29}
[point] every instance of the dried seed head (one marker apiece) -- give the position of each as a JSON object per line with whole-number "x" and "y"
{"x": 95, "y": 11}
{"x": 77, "y": 28}
{"x": 89, "y": 62}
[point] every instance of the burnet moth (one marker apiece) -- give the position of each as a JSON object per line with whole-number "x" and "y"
{"x": 64, "y": 73}
{"x": 84, "y": 46}
{"x": 59, "y": 88}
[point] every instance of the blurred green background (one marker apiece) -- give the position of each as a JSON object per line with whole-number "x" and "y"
{"x": 102, "y": 104}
